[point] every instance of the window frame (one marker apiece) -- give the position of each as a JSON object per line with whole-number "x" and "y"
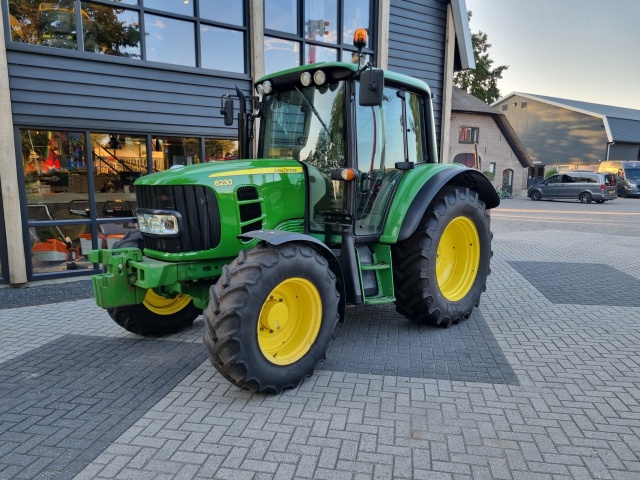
{"x": 339, "y": 46}
{"x": 469, "y": 138}
{"x": 195, "y": 19}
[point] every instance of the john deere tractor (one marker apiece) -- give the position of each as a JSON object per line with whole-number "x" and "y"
{"x": 345, "y": 204}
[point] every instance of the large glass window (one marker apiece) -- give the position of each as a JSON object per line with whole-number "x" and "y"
{"x": 327, "y": 31}
{"x": 170, "y": 40}
{"x": 111, "y": 28}
{"x": 280, "y": 54}
{"x": 111, "y": 31}
{"x": 231, "y": 57}
{"x": 66, "y": 218}
{"x": 181, "y": 7}
{"x": 56, "y": 182}
{"x": 225, "y": 11}
{"x": 321, "y": 20}
{"x": 220, "y": 149}
{"x": 281, "y": 15}
{"x": 170, "y": 151}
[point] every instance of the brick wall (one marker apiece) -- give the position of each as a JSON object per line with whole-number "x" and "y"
{"x": 492, "y": 148}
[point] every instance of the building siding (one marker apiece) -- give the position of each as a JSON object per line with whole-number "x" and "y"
{"x": 63, "y": 92}
{"x": 420, "y": 53}
{"x": 553, "y": 135}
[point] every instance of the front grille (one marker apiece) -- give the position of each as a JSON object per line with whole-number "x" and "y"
{"x": 198, "y": 207}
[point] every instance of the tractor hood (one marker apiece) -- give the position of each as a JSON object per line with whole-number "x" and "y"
{"x": 208, "y": 173}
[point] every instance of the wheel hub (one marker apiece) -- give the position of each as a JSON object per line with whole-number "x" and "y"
{"x": 457, "y": 258}
{"x": 276, "y": 314}
{"x": 289, "y": 321}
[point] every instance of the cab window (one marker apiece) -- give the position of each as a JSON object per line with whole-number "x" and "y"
{"x": 383, "y": 138}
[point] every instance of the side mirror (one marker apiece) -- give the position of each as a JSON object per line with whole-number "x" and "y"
{"x": 227, "y": 111}
{"x": 371, "y": 88}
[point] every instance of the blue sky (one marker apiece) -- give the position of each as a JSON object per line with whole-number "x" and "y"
{"x": 585, "y": 50}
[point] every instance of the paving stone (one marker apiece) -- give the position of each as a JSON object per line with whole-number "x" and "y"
{"x": 72, "y": 359}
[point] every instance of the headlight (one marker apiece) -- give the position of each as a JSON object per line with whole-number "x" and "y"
{"x": 158, "y": 223}
{"x": 267, "y": 88}
{"x": 319, "y": 77}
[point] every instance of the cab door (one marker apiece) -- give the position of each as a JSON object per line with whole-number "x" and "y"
{"x": 385, "y": 135}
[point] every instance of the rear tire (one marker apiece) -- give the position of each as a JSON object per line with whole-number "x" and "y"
{"x": 441, "y": 270}
{"x": 585, "y": 197}
{"x": 272, "y": 316}
{"x": 156, "y": 315}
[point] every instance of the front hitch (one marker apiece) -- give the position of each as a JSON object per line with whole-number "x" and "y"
{"x": 116, "y": 286}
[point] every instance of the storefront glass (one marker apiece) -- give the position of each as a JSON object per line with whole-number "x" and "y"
{"x": 355, "y": 15}
{"x": 321, "y": 20}
{"x": 217, "y": 150}
{"x": 280, "y": 54}
{"x": 174, "y": 6}
{"x": 327, "y": 31}
{"x": 313, "y": 54}
{"x": 170, "y": 40}
{"x": 281, "y": 15}
{"x": 231, "y": 57}
{"x": 111, "y": 31}
{"x": 169, "y": 151}
{"x": 51, "y": 23}
{"x": 66, "y": 220}
{"x": 115, "y": 29}
{"x": 224, "y": 11}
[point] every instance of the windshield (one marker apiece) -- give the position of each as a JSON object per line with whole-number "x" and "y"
{"x": 632, "y": 173}
{"x": 306, "y": 124}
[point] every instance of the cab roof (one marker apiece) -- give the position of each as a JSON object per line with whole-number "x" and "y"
{"x": 339, "y": 71}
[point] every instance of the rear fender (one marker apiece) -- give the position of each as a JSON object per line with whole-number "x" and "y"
{"x": 277, "y": 237}
{"x": 410, "y": 214}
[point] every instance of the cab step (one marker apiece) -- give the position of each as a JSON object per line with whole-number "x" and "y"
{"x": 374, "y": 261}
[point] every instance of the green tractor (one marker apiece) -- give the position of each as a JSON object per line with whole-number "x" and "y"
{"x": 346, "y": 204}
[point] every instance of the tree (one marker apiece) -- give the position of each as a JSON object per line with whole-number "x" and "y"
{"x": 482, "y": 82}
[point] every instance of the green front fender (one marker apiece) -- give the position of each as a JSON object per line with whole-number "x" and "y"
{"x": 418, "y": 188}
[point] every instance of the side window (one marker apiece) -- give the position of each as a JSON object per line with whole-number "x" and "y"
{"x": 415, "y": 128}
{"x": 380, "y": 134}
{"x": 553, "y": 179}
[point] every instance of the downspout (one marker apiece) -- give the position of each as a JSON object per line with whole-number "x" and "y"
{"x": 609, "y": 148}
{"x": 9, "y": 174}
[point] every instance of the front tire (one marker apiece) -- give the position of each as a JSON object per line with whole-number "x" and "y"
{"x": 156, "y": 315}
{"x": 272, "y": 316}
{"x": 536, "y": 195}
{"x": 441, "y": 270}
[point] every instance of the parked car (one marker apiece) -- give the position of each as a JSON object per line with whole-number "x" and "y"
{"x": 584, "y": 186}
{"x": 628, "y": 173}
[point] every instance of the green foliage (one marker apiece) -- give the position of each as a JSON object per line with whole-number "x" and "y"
{"x": 549, "y": 173}
{"x": 482, "y": 82}
{"x": 490, "y": 175}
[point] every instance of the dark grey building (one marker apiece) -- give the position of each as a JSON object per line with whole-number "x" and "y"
{"x": 561, "y": 132}
{"x": 94, "y": 94}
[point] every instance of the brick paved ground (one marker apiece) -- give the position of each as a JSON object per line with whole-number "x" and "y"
{"x": 543, "y": 382}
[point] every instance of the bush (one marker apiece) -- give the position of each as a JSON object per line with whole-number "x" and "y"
{"x": 549, "y": 173}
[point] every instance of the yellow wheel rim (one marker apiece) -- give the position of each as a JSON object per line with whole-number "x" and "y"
{"x": 458, "y": 258}
{"x": 289, "y": 321}
{"x": 165, "y": 306}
